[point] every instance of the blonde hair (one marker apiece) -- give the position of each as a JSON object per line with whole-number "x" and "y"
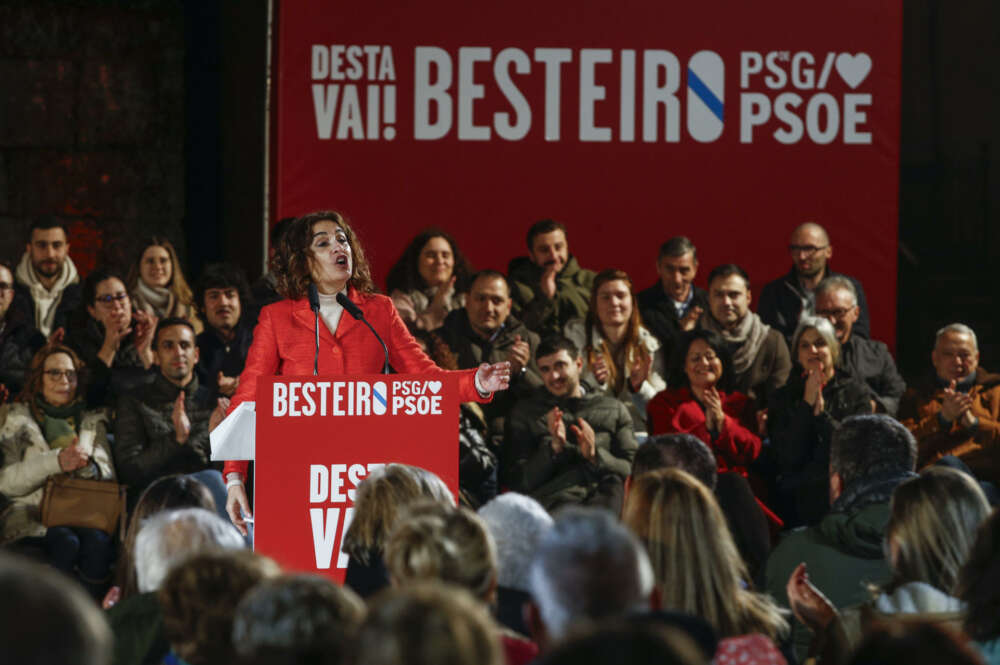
{"x": 697, "y": 566}
{"x": 933, "y": 521}
{"x": 380, "y": 497}
{"x": 435, "y": 541}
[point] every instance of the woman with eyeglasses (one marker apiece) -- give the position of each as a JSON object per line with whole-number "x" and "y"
{"x": 802, "y": 416}
{"x": 49, "y": 431}
{"x": 113, "y": 340}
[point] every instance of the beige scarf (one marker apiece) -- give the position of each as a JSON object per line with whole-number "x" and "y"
{"x": 746, "y": 339}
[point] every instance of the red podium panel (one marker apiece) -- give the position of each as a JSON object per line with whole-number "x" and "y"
{"x": 318, "y": 437}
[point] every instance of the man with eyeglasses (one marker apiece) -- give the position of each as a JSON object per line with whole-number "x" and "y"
{"x": 785, "y": 299}
{"x": 867, "y": 360}
{"x": 18, "y": 338}
{"x": 48, "y": 285}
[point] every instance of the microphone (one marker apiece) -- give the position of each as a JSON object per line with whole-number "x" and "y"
{"x": 356, "y": 312}
{"x": 314, "y": 306}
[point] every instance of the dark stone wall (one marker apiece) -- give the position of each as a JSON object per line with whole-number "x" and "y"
{"x": 92, "y": 124}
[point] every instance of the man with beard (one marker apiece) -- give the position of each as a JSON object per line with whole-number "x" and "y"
{"x": 162, "y": 428}
{"x": 18, "y": 338}
{"x": 760, "y": 359}
{"x": 48, "y": 288}
{"x": 785, "y": 299}
{"x": 223, "y": 298}
{"x": 867, "y": 360}
{"x": 568, "y": 446}
{"x": 548, "y": 286}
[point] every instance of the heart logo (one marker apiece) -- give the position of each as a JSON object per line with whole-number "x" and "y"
{"x": 853, "y": 68}
{"x": 433, "y": 386}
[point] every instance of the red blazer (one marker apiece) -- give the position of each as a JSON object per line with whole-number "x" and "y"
{"x": 284, "y": 342}
{"x": 676, "y": 411}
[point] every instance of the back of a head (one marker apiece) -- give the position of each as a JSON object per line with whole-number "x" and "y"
{"x": 297, "y": 620}
{"x": 46, "y": 619}
{"x": 426, "y": 624}
{"x": 199, "y": 598}
{"x": 434, "y": 541}
{"x": 588, "y": 566}
{"x": 914, "y": 643}
{"x": 378, "y": 500}
{"x": 682, "y": 451}
{"x": 516, "y": 523}
{"x": 635, "y": 643}
{"x": 933, "y": 522}
{"x": 169, "y": 537}
{"x": 871, "y": 447}
{"x": 979, "y": 582}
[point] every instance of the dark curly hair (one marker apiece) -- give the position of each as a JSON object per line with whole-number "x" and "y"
{"x": 405, "y": 274}
{"x": 223, "y": 276}
{"x": 679, "y": 378}
{"x": 291, "y": 263}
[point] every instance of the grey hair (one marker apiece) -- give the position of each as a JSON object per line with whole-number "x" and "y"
{"x": 678, "y": 246}
{"x": 588, "y": 566}
{"x": 956, "y": 329}
{"x": 168, "y": 538}
{"x": 871, "y": 446}
{"x": 825, "y": 330}
{"x": 837, "y": 282}
{"x": 516, "y": 522}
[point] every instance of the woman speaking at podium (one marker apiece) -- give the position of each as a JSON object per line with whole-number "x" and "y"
{"x": 321, "y": 249}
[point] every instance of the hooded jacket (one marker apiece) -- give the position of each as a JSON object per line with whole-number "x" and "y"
{"x": 544, "y": 315}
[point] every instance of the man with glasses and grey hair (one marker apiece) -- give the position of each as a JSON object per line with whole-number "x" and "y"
{"x": 956, "y": 411}
{"x": 867, "y": 360}
{"x": 785, "y": 299}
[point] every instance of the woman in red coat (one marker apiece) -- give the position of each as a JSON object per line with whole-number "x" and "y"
{"x": 321, "y": 248}
{"x": 697, "y": 405}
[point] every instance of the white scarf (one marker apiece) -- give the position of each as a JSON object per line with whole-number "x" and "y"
{"x": 46, "y": 300}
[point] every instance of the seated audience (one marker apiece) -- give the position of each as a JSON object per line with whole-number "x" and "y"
{"x": 866, "y": 360}
{"x": 48, "y": 432}
{"x": 699, "y": 404}
{"x": 265, "y": 290}
{"x": 588, "y": 567}
{"x": 165, "y": 540}
{"x": 158, "y": 286}
{"x": 378, "y": 500}
{"x": 163, "y": 427}
{"x": 979, "y": 588}
{"x": 198, "y": 599}
{"x": 167, "y": 493}
{"x": 615, "y": 642}
{"x": 516, "y": 522}
{"x": 484, "y": 331}
{"x": 914, "y": 643}
{"x": 296, "y": 620}
{"x": 869, "y": 457}
{"x": 44, "y": 621}
{"x": 932, "y": 524}
{"x": 223, "y": 298}
{"x": 433, "y": 541}
{"x": 674, "y": 304}
{"x": 48, "y": 285}
{"x": 19, "y": 340}
{"x": 786, "y": 299}
{"x": 802, "y": 417}
{"x": 426, "y": 624}
{"x": 548, "y": 286}
{"x": 621, "y": 357}
{"x": 114, "y": 341}
{"x": 566, "y": 446}
{"x": 956, "y": 410}
{"x": 429, "y": 280}
{"x": 758, "y": 353}
{"x": 697, "y": 567}
{"x": 747, "y": 520}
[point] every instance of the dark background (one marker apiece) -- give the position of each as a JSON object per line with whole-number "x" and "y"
{"x": 134, "y": 118}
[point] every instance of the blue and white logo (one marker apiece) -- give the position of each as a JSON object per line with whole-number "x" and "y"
{"x": 379, "y": 398}
{"x": 706, "y": 77}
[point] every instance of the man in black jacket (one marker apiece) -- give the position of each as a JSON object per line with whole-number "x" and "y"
{"x": 785, "y": 299}
{"x": 674, "y": 304}
{"x": 223, "y": 298}
{"x": 867, "y": 360}
{"x": 18, "y": 338}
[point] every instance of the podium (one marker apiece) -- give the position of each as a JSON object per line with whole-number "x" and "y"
{"x": 316, "y": 438}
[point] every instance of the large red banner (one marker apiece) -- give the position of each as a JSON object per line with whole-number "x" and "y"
{"x": 631, "y": 122}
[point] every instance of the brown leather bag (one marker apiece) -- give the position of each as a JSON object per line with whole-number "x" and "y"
{"x": 80, "y": 502}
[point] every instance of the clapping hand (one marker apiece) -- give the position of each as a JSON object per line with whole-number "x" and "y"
{"x": 808, "y": 603}
{"x": 639, "y": 371}
{"x": 584, "y": 434}
{"x": 73, "y": 457}
{"x": 519, "y": 355}
{"x": 179, "y": 416}
{"x": 557, "y": 428}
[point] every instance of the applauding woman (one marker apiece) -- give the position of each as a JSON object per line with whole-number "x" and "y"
{"x": 158, "y": 286}
{"x": 320, "y": 250}
{"x": 429, "y": 280}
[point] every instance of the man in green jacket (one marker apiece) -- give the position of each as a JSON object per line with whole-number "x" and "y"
{"x": 565, "y": 446}
{"x": 548, "y": 286}
{"x": 869, "y": 457}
